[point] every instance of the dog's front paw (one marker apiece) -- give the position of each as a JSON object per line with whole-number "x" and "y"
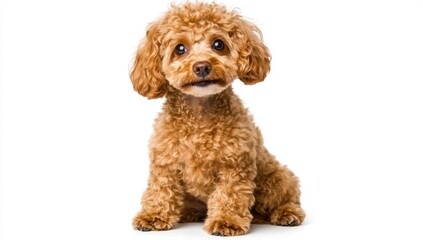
{"x": 151, "y": 222}
{"x": 226, "y": 227}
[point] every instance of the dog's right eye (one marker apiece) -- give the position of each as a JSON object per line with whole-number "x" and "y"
{"x": 180, "y": 49}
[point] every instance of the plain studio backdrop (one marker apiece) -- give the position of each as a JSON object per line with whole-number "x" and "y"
{"x": 342, "y": 107}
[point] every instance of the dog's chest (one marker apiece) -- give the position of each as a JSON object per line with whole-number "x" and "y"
{"x": 200, "y": 157}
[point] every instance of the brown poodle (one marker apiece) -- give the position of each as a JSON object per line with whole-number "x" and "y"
{"x": 208, "y": 162}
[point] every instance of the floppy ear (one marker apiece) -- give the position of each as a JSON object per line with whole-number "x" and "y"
{"x": 146, "y": 74}
{"x": 254, "y": 56}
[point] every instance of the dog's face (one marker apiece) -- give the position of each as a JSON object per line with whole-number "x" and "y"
{"x": 199, "y": 49}
{"x": 200, "y": 65}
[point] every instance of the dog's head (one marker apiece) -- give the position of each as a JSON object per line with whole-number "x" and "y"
{"x": 200, "y": 49}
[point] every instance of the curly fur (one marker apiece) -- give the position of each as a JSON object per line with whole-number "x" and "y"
{"x": 208, "y": 162}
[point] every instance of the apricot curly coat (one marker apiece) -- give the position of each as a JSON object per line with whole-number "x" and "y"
{"x": 207, "y": 156}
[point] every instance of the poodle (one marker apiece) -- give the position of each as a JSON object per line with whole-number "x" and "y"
{"x": 207, "y": 159}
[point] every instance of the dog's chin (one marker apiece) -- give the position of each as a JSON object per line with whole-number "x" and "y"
{"x": 203, "y": 91}
{"x": 203, "y": 87}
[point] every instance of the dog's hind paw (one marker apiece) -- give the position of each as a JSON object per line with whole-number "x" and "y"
{"x": 289, "y": 214}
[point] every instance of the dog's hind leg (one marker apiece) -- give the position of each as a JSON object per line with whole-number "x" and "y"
{"x": 277, "y": 194}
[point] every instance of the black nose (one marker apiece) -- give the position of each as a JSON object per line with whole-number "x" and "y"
{"x": 202, "y": 69}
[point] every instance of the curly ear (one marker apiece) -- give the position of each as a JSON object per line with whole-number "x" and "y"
{"x": 146, "y": 74}
{"x": 254, "y": 57}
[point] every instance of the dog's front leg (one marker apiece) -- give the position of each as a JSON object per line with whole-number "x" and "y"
{"x": 229, "y": 205}
{"x": 162, "y": 201}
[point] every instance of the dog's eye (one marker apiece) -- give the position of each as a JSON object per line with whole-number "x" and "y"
{"x": 218, "y": 45}
{"x": 180, "y": 49}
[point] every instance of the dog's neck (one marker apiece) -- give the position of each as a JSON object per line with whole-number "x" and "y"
{"x": 221, "y": 104}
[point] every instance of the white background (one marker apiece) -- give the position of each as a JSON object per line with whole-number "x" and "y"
{"x": 342, "y": 107}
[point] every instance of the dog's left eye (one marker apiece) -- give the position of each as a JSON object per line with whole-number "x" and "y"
{"x": 218, "y": 45}
{"x": 180, "y": 49}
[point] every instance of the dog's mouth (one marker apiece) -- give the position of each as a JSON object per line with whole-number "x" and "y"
{"x": 205, "y": 83}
